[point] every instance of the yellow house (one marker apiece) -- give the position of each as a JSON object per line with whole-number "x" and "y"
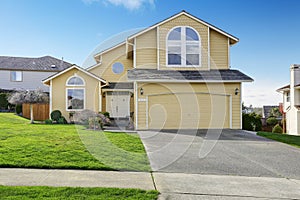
{"x": 173, "y": 75}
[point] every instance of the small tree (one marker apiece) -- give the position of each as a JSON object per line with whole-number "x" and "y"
{"x": 275, "y": 112}
{"x": 272, "y": 121}
{"x": 30, "y": 97}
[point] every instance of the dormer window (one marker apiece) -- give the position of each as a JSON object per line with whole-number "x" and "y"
{"x": 183, "y": 47}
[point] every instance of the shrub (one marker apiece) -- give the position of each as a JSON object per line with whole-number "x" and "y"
{"x": 272, "y": 121}
{"x": 55, "y": 115}
{"x": 251, "y": 122}
{"x": 277, "y": 129}
{"x": 86, "y": 117}
{"x": 48, "y": 121}
{"x": 95, "y": 123}
{"x": 106, "y": 114}
{"x": 62, "y": 120}
{"x": 3, "y": 101}
{"x": 19, "y": 109}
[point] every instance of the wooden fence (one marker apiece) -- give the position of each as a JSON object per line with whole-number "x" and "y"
{"x": 40, "y": 111}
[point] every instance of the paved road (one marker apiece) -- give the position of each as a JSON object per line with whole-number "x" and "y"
{"x": 236, "y": 153}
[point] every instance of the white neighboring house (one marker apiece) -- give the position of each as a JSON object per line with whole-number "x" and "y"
{"x": 21, "y": 73}
{"x": 291, "y": 101}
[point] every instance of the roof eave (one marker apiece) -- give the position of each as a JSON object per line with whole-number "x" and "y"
{"x": 189, "y": 81}
{"x": 233, "y": 39}
{"x": 45, "y": 81}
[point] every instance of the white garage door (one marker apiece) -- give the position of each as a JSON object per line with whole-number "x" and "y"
{"x": 189, "y": 111}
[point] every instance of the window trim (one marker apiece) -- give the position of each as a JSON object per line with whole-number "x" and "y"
{"x": 75, "y": 76}
{"x": 16, "y": 80}
{"x": 288, "y": 96}
{"x": 183, "y": 43}
{"x": 84, "y": 99}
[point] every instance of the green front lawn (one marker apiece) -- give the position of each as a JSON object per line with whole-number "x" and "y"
{"x": 288, "y": 139}
{"x": 67, "y": 147}
{"x": 22, "y": 192}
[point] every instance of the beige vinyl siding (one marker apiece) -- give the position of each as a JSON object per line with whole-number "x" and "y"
{"x": 189, "y": 106}
{"x": 236, "y": 106}
{"x": 108, "y": 59}
{"x": 183, "y": 20}
{"x": 218, "y": 50}
{"x": 59, "y": 92}
{"x": 146, "y": 50}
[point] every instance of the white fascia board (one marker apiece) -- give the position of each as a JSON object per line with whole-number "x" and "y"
{"x": 94, "y": 66}
{"x": 191, "y": 81}
{"x": 188, "y": 15}
{"x": 111, "y": 48}
{"x": 70, "y": 68}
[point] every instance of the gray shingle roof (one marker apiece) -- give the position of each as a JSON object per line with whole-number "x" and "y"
{"x": 120, "y": 85}
{"x": 188, "y": 75}
{"x": 44, "y": 63}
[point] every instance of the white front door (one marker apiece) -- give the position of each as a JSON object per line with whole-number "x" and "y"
{"x": 117, "y": 104}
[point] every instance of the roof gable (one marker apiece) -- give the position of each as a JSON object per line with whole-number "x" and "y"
{"x": 46, "y": 81}
{"x": 233, "y": 38}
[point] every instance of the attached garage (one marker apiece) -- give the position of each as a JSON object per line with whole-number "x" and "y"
{"x": 168, "y": 99}
{"x": 188, "y": 111}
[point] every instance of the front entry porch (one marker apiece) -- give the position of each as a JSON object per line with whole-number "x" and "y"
{"x": 118, "y": 101}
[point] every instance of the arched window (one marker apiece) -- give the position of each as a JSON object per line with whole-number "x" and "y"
{"x": 75, "y": 94}
{"x": 183, "y": 47}
{"x": 75, "y": 81}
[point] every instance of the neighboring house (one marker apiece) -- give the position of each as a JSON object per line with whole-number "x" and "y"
{"x": 173, "y": 75}
{"x": 267, "y": 111}
{"x": 19, "y": 73}
{"x": 291, "y": 101}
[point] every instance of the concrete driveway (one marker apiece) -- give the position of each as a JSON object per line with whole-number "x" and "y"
{"x": 220, "y": 152}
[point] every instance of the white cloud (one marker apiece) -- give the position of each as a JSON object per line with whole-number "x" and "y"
{"x": 128, "y": 4}
{"x": 261, "y": 93}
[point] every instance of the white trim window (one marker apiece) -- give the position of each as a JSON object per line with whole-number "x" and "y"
{"x": 16, "y": 76}
{"x": 75, "y": 96}
{"x": 183, "y": 47}
{"x": 75, "y": 81}
{"x": 75, "y": 99}
{"x": 288, "y": 96}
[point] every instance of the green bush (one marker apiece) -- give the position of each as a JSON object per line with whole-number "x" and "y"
{"x": 272, "y": 121}
{"x": 3, "y": 101}
{"x": 55, "y": 115}
{"x": 277, "y": 129}
{"x": 106, "y": 114}
{"x": 62, "y": 120}
{"x": 251, "y": 122}
{"x": 48, "y": 121}
{"x": 19, "y": 109}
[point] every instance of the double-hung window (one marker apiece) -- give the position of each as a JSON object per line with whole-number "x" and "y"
{"x": 183, "y": 47}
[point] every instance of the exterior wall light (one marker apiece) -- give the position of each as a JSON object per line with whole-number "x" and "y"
{"x": 236, "y": 92}
{"x": 142, "y": 91}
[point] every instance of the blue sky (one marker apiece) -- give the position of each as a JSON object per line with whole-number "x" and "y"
{"x": 268, "y": 31}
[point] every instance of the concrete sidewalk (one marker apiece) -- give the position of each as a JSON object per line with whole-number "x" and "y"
{"x": 197, "y": 186}
{"x": 170, "y": 185}
{"x": 75, "y": 178}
